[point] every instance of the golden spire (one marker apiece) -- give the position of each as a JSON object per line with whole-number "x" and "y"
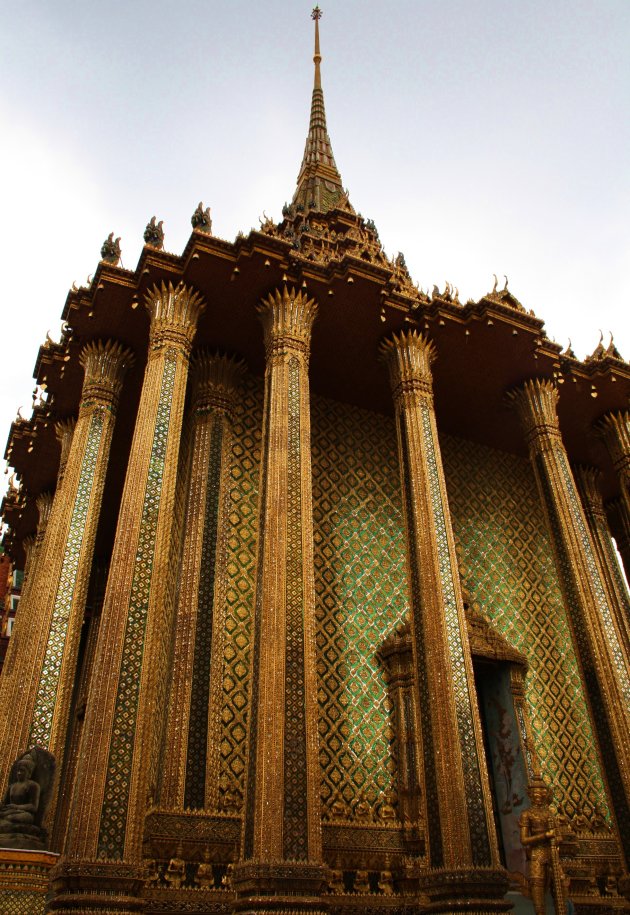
{"x": 317, "y": 57}
{"x": 319, "y": 184}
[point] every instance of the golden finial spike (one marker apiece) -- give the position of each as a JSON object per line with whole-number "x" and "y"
{"x": 316, "y": 15}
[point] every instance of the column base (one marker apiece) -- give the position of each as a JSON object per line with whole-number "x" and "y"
{"x": 279, "y": 888}
{"x": 86, "y": 887}
{"x": 474, "y": 891}
{"x": 24, "y": 880}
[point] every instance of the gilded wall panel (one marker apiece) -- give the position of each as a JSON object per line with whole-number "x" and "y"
{"x": 22, "y": 902}
{"x": 242, "y": 518}
{"x": 361, "y": 588}
{"x": 361, "y": 594}
{"x": 508, "y": 565}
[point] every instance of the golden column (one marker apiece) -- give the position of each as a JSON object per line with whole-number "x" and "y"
{"x": 587, "y": 479}
{"x": 44, "y": 503}
{"x": 38, "y": 694}
{"x": 65, "y": 430}
{"x": 124, "y": 722}
{"x": 461, "y": 840}
{"x": 282, "y": 847}
{"x": 193, "y": 731}
{"x": 22, "y": 627}
{"x": 614, "y": 428}
{"x": 601, "y": 653}
{"x": 28, "y": 545}
{"x": 619, "y": 517}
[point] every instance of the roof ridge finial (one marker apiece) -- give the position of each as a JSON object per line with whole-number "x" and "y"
{"x": 316, "y": 15}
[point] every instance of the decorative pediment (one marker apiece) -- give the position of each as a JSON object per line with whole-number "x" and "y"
{"x": 484, "y": 640}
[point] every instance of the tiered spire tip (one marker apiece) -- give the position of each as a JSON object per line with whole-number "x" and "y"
{"x": 319, "y": 184}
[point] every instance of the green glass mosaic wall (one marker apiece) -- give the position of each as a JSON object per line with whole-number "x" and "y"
{"x": 244, "y": 475}
{"x": 508, "y": 565}
{"x": 361, "y": 593}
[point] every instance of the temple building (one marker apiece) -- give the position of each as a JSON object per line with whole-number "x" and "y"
{"x": 321, "y": 608}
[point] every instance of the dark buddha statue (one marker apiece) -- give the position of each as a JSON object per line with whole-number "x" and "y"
{"x": 25, "y": 801}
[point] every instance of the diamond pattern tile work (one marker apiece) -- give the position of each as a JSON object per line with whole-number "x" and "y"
{"x": 195, "y": 790}
{"x": 479, "y": 837}
{"x": 434, "y": 831}
{"x": 602, "y": 603}
{"x": 295, "y": 836}
{"x": 508, "y": 566}
{"x": 580, "y": 628}
{"x": 51, "y": 670}
{"x": 361, "y": 592}
{"x": 240, "y": 570}
{"x": 22, "y": 902}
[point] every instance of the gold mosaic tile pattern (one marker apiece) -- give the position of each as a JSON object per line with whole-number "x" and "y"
{"x": 196, "y": 757}
{"x": 508, "y": 563}
{"x": 295, "y": 838}
{"x": 603, "y": 607}
{"x": 22, "y": 902}
{"x": 361, "y": 592}
{"x": 593, "y": 685}
{"x": 479, "y": 837}
{"x": 240, "y": 570}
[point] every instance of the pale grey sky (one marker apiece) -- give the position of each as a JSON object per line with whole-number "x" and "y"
{"x": 481, "y": 136}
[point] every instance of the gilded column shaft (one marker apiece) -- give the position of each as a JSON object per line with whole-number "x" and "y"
{"x": 44, "y": 504}
{"x": 28, "y": 545}
{"x": 124, "y": 717}
{"x": 84, "y": 676}
{"x": 599, "y": 646}
{"x": 614, "y": 428}
{"x": 282, "y": 820}
{"x": 65, "y": 431}
{"x": 22, "y": 625}
{"x": 59, "y": 584}
{"x": 619, "y": 517}
{"x": 587, "y": 479}
{"x": 461, "y": 832}
{"x": 193, "y": 732}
